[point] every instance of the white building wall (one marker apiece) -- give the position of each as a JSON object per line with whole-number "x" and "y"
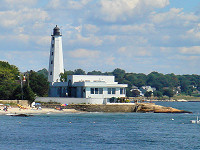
{"x": 90, "y": 78}
{"x": 71, "y": 100}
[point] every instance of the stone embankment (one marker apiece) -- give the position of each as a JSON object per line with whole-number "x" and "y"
{"x": 138, "y": 107}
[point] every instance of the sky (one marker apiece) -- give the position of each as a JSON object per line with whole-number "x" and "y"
{"x": 138, "y": 36}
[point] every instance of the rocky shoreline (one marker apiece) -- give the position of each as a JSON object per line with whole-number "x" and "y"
{"x": 108, "y": 108}
{"x": 151, "y": 107}
{"x": 126, "y": 107}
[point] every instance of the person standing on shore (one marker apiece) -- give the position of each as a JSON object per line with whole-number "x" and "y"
{"x": 5, "y": 108}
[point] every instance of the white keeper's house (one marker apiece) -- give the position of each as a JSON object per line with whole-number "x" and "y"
{"x": 94, "y": 89}
{"x": 88, "y": 86}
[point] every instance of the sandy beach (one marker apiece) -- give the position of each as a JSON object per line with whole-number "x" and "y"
{"x": 36, "y": 111}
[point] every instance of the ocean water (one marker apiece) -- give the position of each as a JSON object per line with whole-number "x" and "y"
{"x": 102, "y": 131}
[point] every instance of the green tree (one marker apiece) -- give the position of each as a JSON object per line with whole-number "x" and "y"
{"x": 69, "y": 72}
{"x": 38, "y": 83}
{"x": 28, "y": 94}
{"x": 17, "y": 93}
{"x": 157, "y": 94}
{"x": 8, "y": 80}
{"x": 63, "y": 77}
{"x": 119, "y": 74}
{"x": 157, "y": 80}
{"x": 44, "y": 72}
{"x": 148, "y": 94}
{"x": 168, "y": 92}
{"x": 94, "y": 73}
{"x": 135, "y": 93}
{"x": 79, "y": 72}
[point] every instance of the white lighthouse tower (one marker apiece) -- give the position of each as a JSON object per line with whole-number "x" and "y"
{"x": 56, "y": 56}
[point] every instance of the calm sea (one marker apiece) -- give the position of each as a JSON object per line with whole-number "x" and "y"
{"x": 102, "y": 131}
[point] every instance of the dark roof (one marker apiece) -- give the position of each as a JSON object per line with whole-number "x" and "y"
{"x": 56, "y": 31}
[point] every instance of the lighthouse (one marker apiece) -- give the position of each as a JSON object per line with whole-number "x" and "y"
{"x": 56, "y": 56}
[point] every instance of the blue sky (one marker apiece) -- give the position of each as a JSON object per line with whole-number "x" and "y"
{"x": 138, "y": 36}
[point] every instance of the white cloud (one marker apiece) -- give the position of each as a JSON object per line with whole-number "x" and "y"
{"x": 105, "y": 34}
{"x": 190, "y": 50}
{"x": 83, "y": 53}
{"x": 156, "y": 3}
{"x": 90, "y": 40}
{"x": 121, "y": 10}
{"x": 42, "y": 40}
{"x": 174, "y": 16}
{"x": 24, "y": 16}
{"x": 91, "y": 28}
{"x": 134, "y": 51}
{"x": 54, "y": 4}
{"x": 110, "y": 60}
{"x": 69, "y": 4}
{"x": 144, "y": 28}
{"x": 17, "y": 4}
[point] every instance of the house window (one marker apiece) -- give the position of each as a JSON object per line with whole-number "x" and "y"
{"x": 92, "y": 90}
{"x": 111, "y": 90}
{"x": 122, "y": 91}
{"x": 100, "y": 90}
{"x": 96, "y": 90}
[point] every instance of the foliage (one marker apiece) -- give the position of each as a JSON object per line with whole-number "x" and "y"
{"x": 8, "y": 80}
{"x": 94, "y": 73}
{"x": 38, "y": 83}
{"x": 168, "y": 92}
{"x": 63, "y": 77}
{"x": 135, "y": 93}
{"x": 44, "y": 72}
{"x": 79, "y": 72}
{"x": 157, "y": 94}
{"x": 148, "y": 94}
{"x": 28, "y": 93}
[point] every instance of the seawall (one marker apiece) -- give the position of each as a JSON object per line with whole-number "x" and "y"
{"x": 24, "y": 103}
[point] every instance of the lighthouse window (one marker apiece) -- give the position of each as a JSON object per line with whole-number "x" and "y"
{"x": 50, "y": 73}
{"x": 52, "y": 38}
{"x": 52, "y": 53}
{"x": 51, "y": 62}
{"x": 52, "y": 45}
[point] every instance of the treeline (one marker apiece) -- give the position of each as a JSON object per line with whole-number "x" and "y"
{"x": 164, "y": 83}
{"x": 28, "y": 85}
{"x": 16, "y": 85}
